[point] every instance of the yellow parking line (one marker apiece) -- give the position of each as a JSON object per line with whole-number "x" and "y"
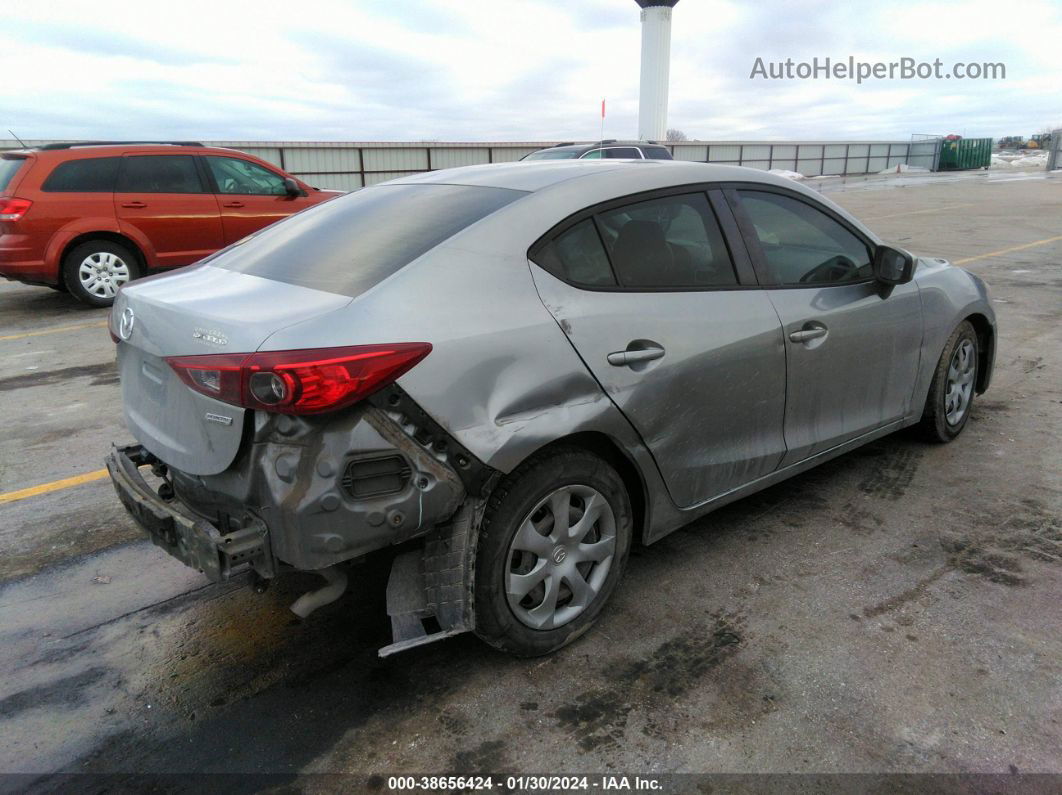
{"x": 918, "y": 212}
{"x": 52, "y": 331}
{"x": 1003, "y": 251}
{"x": 55, "y": 485}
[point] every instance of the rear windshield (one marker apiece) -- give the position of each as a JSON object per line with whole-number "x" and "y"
{"x": 9, "y": 166}
{"x": 349, "y": 244}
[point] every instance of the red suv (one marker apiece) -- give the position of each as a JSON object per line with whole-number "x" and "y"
{"x": 88, "y": 217}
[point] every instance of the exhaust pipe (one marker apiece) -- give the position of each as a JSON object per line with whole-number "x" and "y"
{"x": 308, "y": 602}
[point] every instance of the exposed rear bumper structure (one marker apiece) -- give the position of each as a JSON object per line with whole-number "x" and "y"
{"x": 192, "y": 540}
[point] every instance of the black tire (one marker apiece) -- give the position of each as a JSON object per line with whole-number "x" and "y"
{"x": 935, "y": 425}
{"x": 510, "y": 504}
{"x": 96, "y": 248}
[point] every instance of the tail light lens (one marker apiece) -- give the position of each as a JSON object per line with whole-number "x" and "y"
{"x": 13, "y": 209}
{"x": 313, "y": 381}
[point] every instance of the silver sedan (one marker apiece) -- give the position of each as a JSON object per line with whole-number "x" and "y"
{"x": 512, "y": 373}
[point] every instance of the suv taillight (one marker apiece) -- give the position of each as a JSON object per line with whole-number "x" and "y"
{"x": 311, "y": 381}
{"x": 13, "y": 209}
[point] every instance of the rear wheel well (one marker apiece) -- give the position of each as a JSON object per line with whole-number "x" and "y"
{"x": 113, "y": 237}
{"x": 985, "y": 344}
{"x": 605, "y": 447}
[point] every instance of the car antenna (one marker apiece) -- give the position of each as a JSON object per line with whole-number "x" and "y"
{"x": 18, "y": 139}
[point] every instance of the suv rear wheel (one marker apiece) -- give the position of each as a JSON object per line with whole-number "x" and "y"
{"x": 553, "y": 543}
{"x": 93, "y": 271}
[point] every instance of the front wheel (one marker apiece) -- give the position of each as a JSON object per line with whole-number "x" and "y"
{"x": 553, "y": 543}
{"x": 951, "y": 394}
{"x": 93, "y": 271}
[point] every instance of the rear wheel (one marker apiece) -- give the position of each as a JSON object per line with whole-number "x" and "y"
{"x": 553, "y": 543}
{"x": 951, "y": 394}
{"x": 93, "y": 271}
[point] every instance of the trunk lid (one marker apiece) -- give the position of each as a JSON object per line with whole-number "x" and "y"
{"x": 198, "y": 310}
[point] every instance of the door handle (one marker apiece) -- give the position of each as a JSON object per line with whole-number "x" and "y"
{"x": 134, "y": 205}
{"x": 808, "y": 334}
{"x": 233, "y": 204}
{"x": 629, "y": 357}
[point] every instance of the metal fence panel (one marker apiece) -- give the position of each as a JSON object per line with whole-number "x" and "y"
{"x": 453, "y": 157}
{"x": 697, "y": 154}
{"x": 322, "y": 160}
{"x": 408, "y": 158}
{"x": 350, "y": 165}
{"x": 1054, "y": 160}
{"x": 724, "y": 153}
{"x": 510, "y": 154}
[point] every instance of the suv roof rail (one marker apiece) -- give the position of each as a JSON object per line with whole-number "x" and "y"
{"x": 52, "y": 147}
{"x": 607, "y": 141}
{"x": 566, "y": 143}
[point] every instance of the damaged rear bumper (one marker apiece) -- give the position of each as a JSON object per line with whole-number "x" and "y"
{"x": 192, "y": 540}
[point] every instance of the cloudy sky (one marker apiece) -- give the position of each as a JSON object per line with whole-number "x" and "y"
{"x": 453, "y": 70}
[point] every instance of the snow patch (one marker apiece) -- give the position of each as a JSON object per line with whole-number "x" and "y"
{"x": 781, "y": 172}
{"x": 1007, "y": 160}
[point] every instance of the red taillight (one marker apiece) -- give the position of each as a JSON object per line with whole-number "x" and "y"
{"x": 298, "y": 382}
{"x": 13, "y": 209}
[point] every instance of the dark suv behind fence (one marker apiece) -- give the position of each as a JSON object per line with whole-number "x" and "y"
{"x": 89, "y": 217}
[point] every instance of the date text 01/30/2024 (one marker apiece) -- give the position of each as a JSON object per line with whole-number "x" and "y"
{"x": 616, "y": 783}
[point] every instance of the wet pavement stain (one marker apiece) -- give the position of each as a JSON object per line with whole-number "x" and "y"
{"x": 102, "y": 374}
{"x": 598, "y": 718}
{"x": 61, "y": 692}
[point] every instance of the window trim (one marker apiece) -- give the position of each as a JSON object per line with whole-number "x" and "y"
{"x": 213, "y": 183}
{"x": 752, "y": 241}
{"x": 739, "y": 256}
{"x": 204, "y": 191}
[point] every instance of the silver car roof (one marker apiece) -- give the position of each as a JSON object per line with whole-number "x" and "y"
{"x": 559, "y": 188}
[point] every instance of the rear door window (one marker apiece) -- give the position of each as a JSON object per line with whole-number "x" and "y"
{"x": 349, "y": 244}
{"x": 9, "y": 166}
{"x": 91, "y": 175}
{"x": 159, "y": 174}
{"x": 671, "y": 242}
{"x": 623, "y": 152}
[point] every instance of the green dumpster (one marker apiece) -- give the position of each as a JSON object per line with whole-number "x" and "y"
{"x": 965, "y": 153}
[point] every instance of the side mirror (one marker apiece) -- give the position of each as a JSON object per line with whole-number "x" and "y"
{"x": 893, "y": 266}
{"x": 292, "y": 187}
